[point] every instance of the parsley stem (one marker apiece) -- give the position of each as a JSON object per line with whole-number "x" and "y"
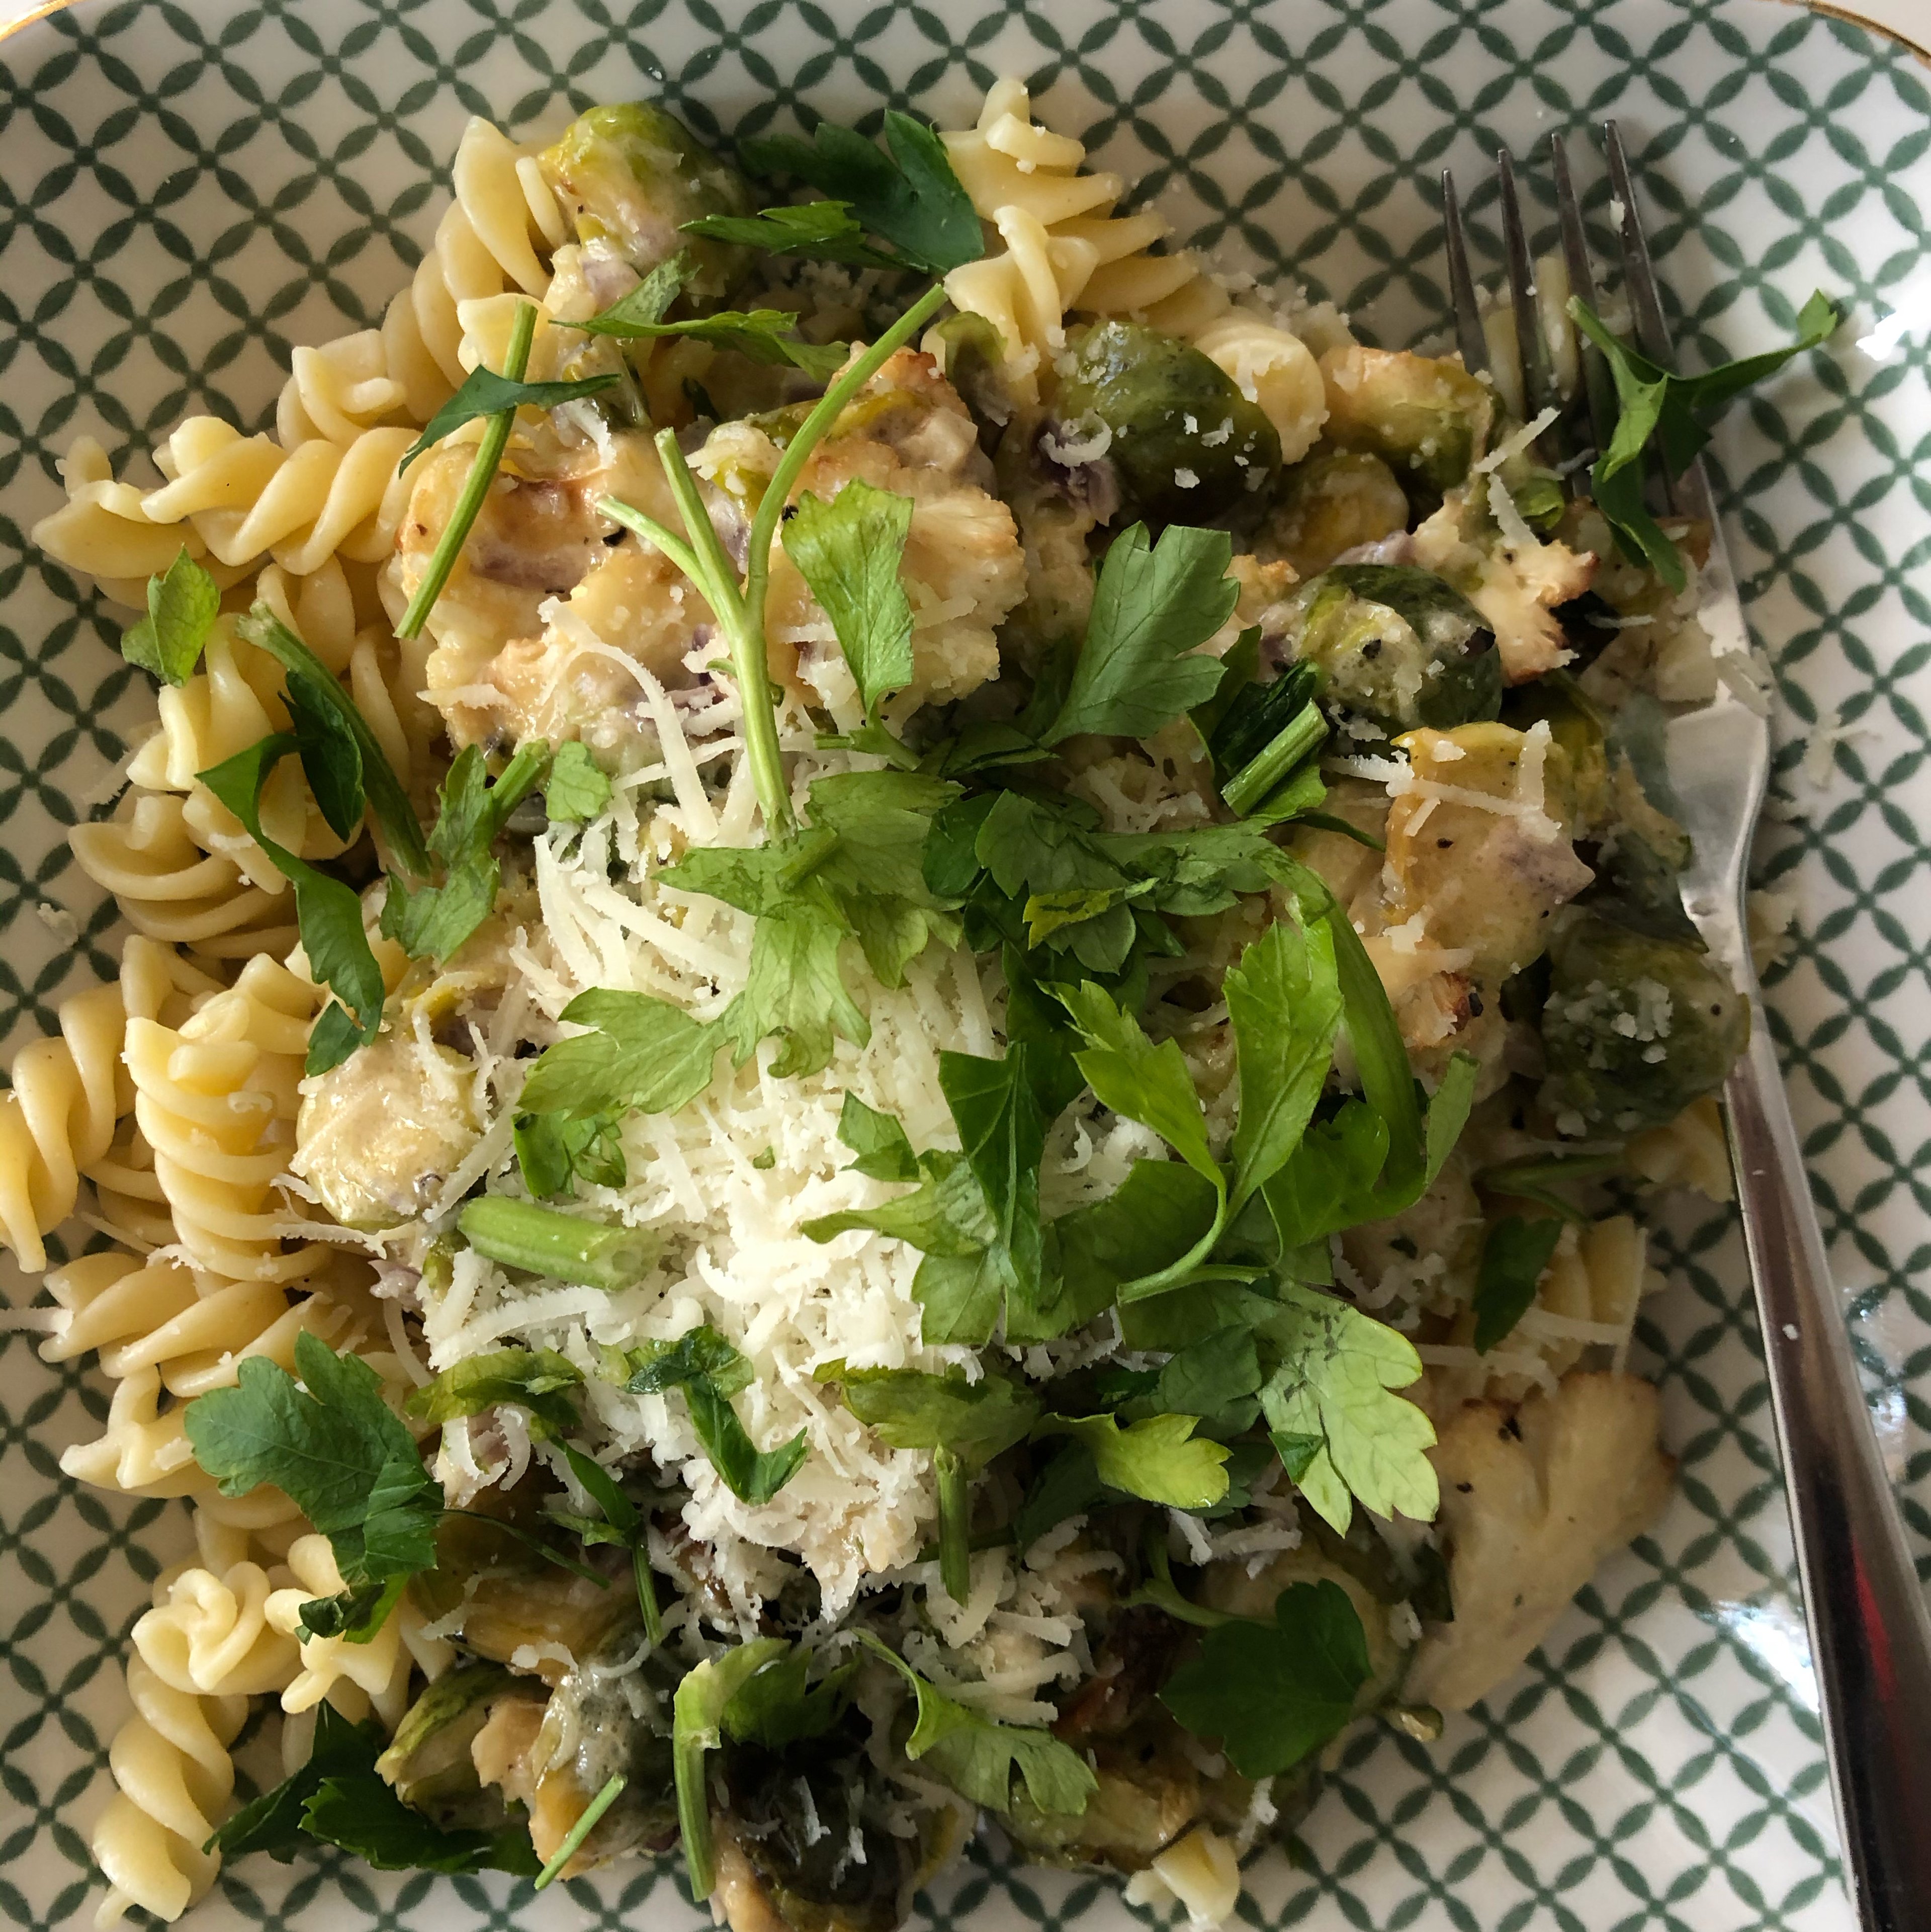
{"x": 647, "y": 1589}
{"x": 653, "y": 533}
{"x": 1260, "y": 774}
{"x": 750, "y": 656}
{"x": 476, "y": 485}
{"x": 810, "y": 433}
{"x": 547, "y": 1241}
{"x": 573, "y": 1839}
{"x": 955, "y": 1523}
{"x": 1143, "y": 1287}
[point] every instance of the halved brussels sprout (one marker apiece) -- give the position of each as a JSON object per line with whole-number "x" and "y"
{"x": 1576, "y": 725}
{"x": 1149, "y": 1795}
{"x": 1398, "y": 646}
{"x": 972, "y": 354}
{"x": 1427, "y": 417}
{"x": 1182, "y": 443}
{"x": 808, "y": 1829}
{"x": 1634, "y": 1028}
{"x": 428, "y": 1761}
{"x": 1332, "y": 502}
{"x": 379, "y": 1131}
{"x": 631, "y": 174}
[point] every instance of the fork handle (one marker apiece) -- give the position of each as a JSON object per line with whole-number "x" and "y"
{"x": 1870, "y": 1632}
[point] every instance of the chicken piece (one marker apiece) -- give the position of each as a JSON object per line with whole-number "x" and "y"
{"x": 550, "y": 604}
{"x": 1348, "y": 868}
{"x": 964, "y": 569}
{"x": 1534, "y": 1497}
{"x": 1479, "y": 854}
{"x": 1514, "y": 580}
{"x": 553, "y": 613}
{"x": 376, "y": 1135}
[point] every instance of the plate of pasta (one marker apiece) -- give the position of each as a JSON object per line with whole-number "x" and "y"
{"x": 856, "y": 1076}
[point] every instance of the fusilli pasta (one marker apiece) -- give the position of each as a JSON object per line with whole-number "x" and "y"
{"x": 69, "y": 1092}
{"x": 486, "y": 244}
{"x": 204, "y": 1649}
{"x": 355, "y": 1678}
{"x": 1067, "y": 252}
{"x": 171, "y": 1765}
{"x": 217, "y": 1098}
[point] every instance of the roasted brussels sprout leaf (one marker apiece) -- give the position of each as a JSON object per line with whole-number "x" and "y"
{"x": 1426, "y": 418}
{"x": 1398, "y": 646}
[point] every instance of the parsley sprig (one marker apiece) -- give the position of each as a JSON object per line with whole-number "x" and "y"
{"x": 1661, "y": 407}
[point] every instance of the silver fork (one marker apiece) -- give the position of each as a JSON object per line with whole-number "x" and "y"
{"x": 1870, "y": 1632}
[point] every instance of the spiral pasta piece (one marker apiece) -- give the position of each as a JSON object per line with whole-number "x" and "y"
{"x": 217, "y": 1098}
{"x": 329, "y": 609}
{"x": 143, "y": 1449}
{"x": 170, "y": 1762}
{"x": 486, "y": 244}
{"x": 335, "y": 392}
{"x": 102, "y": 530}
{"x": 1689, "y": 1151}
{"x": 69, "y": 1092}
{"x": 355, "y": 1678}
{"x": 1067, "y": 252}
{"x": 168, "y": 1334}
{"x": 133, "y": 1207}
{"x": 171, "y": 891}
{"x": 246, "y": 497}
{"x": 209, "y": 1634}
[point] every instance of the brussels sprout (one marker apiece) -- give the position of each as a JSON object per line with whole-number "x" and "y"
{"x": 511, "y": 1597}
{"x": 1640, "y": 862}
{"x": 1428, "y": 419}
{"x": 1576, "y": 725}
{"x": 1333, "y": 502}
{"x": 1181, "y": 442}
{"x": 428, "y": 1760}
{"x": 379, "y": 1131}
{"x": 792, "y": 1816}
{"x": 1634, "y": 1028}
{"x": 630, "y": 175}
{"x": 1149, "y": 1794}
{"x": 973, "y": 353}
{"x": 1398, "y": 646}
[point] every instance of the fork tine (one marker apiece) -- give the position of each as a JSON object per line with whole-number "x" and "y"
{"x": 1468, "y": 335}
{"x": 1521, "y": 290}
{"x": 1639, "y": 272}
{"x": 1597, "y": 387}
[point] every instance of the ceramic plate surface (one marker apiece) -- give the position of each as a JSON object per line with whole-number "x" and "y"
{"x": 185, "y": 193}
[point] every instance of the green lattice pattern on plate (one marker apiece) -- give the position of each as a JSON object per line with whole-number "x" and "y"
{"x": 186, "y": 192}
